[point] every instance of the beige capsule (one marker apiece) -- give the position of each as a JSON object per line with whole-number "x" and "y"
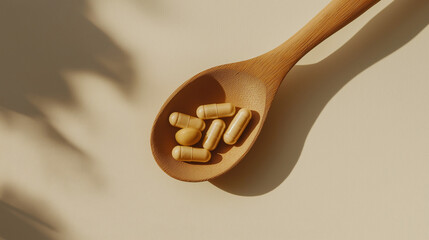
{"x": 237, "y": 126}
{"x": 188, "y": 136}
{"x": 190, "y": 154}
{"x": 215, "y": 110}
{"x": 214, "y": 134}
{"x": 182, "y": 120}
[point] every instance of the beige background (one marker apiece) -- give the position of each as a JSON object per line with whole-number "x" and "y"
{"x": 343, "y": 155}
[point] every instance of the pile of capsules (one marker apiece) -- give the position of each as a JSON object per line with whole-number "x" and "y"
{"x": 190, "y": 134}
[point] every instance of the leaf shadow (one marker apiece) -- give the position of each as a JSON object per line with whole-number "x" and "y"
{"x": 22, "y": 218}
{"x": 42, "y": 39}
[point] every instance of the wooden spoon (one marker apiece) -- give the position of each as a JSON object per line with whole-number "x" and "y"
{"x": 251, "y": 84}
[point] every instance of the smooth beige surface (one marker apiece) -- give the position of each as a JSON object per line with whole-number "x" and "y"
{"x": 343, "y": 153}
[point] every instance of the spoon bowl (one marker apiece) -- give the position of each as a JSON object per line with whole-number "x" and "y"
{"x": 248, "y": 84}
{"x": 217, "y": 85}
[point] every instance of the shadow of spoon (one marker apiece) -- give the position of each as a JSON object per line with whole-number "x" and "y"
{"x": 307, "y": 90}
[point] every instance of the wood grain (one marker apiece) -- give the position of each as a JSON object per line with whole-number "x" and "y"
{"x": 251, "y": 84}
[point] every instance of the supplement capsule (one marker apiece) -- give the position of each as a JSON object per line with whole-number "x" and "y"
{"x": 190, "y": 154}
{"x": 182, "y": 120}
{"x": 213, "y": 135}
{"x": 188, "y": 136}
{"x": 237, "y": 126}
{"x": 216, "y": 110}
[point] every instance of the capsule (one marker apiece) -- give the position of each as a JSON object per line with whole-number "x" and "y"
{"x": 214, "y": 134}
{"x": 190, "y": 154}
{"x": 182, "y": 120}
{"x": 215, "y": 110}
{"x": 188, "y": 136}
{"x": 237, "y": 126}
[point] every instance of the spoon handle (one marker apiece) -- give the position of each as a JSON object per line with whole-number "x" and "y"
{"x": 333, "y": 17}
